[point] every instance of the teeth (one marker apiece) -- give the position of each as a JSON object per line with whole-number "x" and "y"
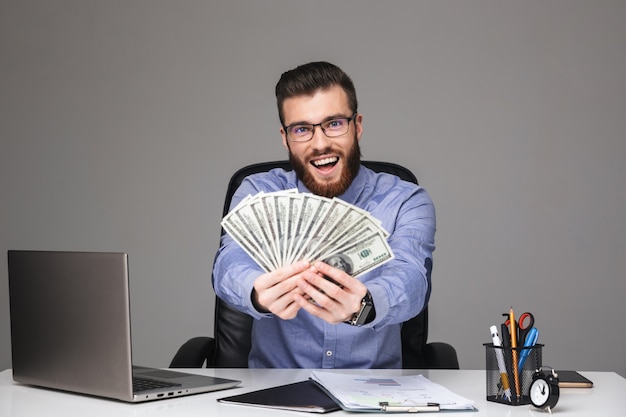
{"x": 325, "y": 161}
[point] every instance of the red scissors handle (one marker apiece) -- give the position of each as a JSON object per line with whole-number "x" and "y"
{"x": 525, "y": 323}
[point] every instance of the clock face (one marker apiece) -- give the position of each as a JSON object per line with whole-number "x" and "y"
{"x": 539, "y": 393}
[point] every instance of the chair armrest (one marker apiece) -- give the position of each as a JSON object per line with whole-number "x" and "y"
{"x": 439, "y": 355}
{"x": 194, "y": 353}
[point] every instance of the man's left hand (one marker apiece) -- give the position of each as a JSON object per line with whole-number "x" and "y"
{"x": 334, "y": 302}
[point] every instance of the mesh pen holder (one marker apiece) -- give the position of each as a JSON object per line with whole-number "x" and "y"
{"x": 519, "y": 382}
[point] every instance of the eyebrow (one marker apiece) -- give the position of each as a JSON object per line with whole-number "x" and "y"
{"x": 334, "y": 116}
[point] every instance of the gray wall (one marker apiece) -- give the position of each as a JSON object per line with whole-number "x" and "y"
{"x": 121, "y": 122}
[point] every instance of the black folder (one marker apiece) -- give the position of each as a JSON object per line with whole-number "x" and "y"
{"x": 299, "y": 396}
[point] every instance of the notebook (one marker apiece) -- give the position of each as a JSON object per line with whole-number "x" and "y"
{"x": 573, "y": 379}
{"x": 303, "y": 396}
{"x": 71, "y": 330}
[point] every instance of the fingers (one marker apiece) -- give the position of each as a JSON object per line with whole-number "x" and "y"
{"x": 273, "y": 291}
{"x": 339, "y": 276}
{"x": 274, "y": 278}
{"x": 336, "y": 301}
{"x": 342, "y": 281}
{"x": 322, "y": 290}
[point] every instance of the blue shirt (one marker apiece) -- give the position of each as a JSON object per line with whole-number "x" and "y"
{"x": 400, "y": 288}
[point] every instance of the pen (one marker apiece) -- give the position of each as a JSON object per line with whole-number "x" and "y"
{"x": 513, "y": 331}
{"x": 530, "y": 341}
{"x": 385, "y": 406}
{"x": 504, "y": 376}
{"x": 506, "y": 337}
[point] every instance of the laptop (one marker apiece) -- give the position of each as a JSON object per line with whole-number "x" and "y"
{"x": 70, "y": 329}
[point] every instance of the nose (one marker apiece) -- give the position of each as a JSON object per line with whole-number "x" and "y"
{"x": 319, "y": 139}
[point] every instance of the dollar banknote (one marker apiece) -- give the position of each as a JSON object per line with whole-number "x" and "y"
{"x": 279, "y": 228}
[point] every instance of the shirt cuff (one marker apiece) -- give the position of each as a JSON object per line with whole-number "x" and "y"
{"x": 381, "y": 304}
{"x": 248, "y": 286}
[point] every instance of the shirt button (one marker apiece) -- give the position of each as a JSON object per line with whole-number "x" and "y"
{"x": 329, "y": 353}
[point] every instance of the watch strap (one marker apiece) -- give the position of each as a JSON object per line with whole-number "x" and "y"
{"x": 366, "y": 313}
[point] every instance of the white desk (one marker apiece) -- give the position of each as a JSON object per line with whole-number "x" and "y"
{"x": 24, "y": 401}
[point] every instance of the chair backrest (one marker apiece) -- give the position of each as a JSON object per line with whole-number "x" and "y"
{"x": 233, "y": 328}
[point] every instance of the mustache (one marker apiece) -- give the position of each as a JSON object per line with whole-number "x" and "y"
{"x": 326, "y": 151}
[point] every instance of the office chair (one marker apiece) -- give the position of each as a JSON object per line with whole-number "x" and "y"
{"x": 230, "y": 346}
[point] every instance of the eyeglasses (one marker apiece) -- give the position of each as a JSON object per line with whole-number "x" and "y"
{"x": 332, "y": 128}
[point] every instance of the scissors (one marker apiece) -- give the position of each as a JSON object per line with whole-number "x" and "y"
{"x": 523, "y": 326}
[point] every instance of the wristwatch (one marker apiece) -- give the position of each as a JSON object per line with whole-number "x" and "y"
{"x": 366, "y": 314}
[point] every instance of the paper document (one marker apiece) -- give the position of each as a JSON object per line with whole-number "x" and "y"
{"x": 359, "y": 392}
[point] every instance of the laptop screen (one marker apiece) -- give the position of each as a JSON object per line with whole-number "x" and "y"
{"x": 70, "y": 321}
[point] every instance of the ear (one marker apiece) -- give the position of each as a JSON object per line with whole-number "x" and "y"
{"x": 284, "y": 136}
{"x": 358, "y": 125}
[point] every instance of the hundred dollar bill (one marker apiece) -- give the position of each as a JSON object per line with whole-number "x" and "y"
{"x": 355, "y": 224}
{"x": 300, "y": 220}
{"x": 349, "y": 240}
{"x": 246, "y": 233}
{"x": 281, "y": 206}
{"x": 327, "y": 226}
{"x": 362, "y": 256}
{"x": 294, "y": 221}
{"x": 253, "y": 220}
{"x": 320, "y": 207}
{"x": 361, "y": 226}
{"x": 236, "y": 230}
{"x": 274, "y": 207}
{"x": 265, "y": 219}
{"x": 244, "y": 219}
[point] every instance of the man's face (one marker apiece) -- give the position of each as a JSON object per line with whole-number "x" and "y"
{"x": 325, "y": 165}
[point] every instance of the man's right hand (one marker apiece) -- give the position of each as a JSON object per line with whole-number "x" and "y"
{"x": 273, "y": 291}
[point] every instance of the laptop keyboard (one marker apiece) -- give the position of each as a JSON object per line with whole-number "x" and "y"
{"x": 144, "y": 384}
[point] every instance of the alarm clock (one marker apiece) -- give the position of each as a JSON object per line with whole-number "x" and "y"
{"x": 544, "y": 389}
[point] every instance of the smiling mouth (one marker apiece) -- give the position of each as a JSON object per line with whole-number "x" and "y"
{"x": 325, "y": 162}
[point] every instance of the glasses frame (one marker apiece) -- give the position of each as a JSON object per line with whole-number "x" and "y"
{"x": 315, "y": 125}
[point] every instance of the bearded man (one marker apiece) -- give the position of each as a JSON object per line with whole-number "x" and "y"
{"x": 321, "y": 130}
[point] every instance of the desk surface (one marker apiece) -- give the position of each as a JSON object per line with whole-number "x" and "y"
{"x": 24, "y": 401}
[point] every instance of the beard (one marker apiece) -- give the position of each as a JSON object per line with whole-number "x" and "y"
{"x": 330, "y": 189}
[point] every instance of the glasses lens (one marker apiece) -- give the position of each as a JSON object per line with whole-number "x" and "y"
{"x": 336, "y": 127}
{"x": 300, "y": 133}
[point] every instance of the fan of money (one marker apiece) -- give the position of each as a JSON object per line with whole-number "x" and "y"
{"x": 283, "y": 227}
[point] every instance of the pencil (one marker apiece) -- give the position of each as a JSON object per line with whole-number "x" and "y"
{"x": 513, "y": 331}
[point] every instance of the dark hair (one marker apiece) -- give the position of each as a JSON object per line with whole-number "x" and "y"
{"x": 308, "y": 78}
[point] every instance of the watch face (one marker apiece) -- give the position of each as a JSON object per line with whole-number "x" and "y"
{"x": 539, "y": 393}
